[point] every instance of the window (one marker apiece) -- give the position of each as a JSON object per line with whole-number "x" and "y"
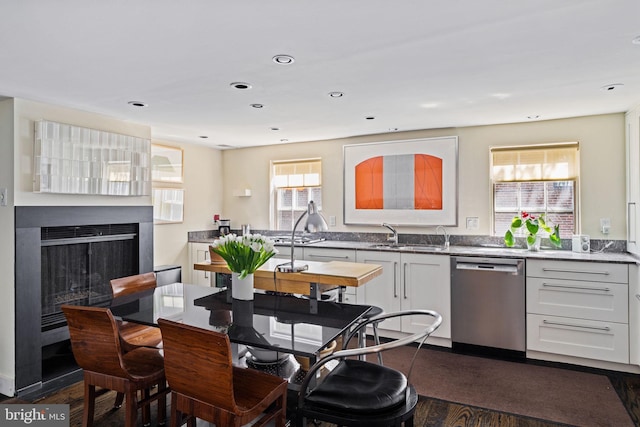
{"x": 536, "y": 179}
{"x": 295, "y": 183}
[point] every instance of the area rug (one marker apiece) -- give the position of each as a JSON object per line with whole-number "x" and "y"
{"x": 547, "y": 393}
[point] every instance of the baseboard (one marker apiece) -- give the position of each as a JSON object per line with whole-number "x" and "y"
{"x": 598, "y": 364}
{"x": 7, "y": 386}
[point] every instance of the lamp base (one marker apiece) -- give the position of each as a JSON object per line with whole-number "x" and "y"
{"x": 296, "y": 268}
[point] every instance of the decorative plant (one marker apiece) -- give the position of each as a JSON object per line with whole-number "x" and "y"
{"x": 244, "y": 254}
{"x": 533, "y": 225}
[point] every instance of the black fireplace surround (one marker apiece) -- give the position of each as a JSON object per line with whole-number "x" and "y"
{"x": 67, "y": 255}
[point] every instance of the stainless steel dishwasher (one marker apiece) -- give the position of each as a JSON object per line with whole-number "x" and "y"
{"x": 488, "y": 305}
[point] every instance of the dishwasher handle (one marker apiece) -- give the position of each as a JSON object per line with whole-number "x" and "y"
{"x": 497, "y": 268}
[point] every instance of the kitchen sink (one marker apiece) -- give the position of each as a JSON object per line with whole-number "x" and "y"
{"x": 421, "y": 248}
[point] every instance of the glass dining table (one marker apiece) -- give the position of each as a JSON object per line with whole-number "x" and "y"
{"x": 272, "y": 327}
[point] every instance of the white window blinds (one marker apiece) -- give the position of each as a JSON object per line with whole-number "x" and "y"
{"x": 535, "y": 162}
{"x": 295, "y": 174}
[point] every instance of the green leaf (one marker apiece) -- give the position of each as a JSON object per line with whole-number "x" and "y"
{"x": 509, "y": 239}
{"x": 516, "y": 222}
{"x": 532, "y": 226}
{"x": 531, "y": 239}
{"x": 555, "y": 237}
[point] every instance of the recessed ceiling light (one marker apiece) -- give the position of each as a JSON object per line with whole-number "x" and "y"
{"x": 393, "y": 129}
{"x": 284, "y": 140}
{"x": 203, "y": 136}
{"x": 613, "y": 86}
{"x": 241, "y": 85}
{"x": 257, "y": 105}
{"x": 370, "y": 118}
{"x": 636, "y": 40}
{"x": 533, "y": 117}
{"x": 283, "y": 59}
{"x": 336, "y": 94}
{"x": 275, "y": 128}
{"x": 137, "y": 104}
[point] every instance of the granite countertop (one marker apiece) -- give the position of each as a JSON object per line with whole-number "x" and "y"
{"x": 478, "y": 251}
{"x": 503, "y": 252}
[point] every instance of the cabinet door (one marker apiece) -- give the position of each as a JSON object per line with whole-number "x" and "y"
{"x": 383, "y": 291}
{"x": 199, "y": 252}
{"x": 426, "y": 285}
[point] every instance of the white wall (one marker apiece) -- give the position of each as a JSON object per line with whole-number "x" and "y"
{"x": 203, "y": 197}
{"x": 602, "y": 157}
{"x": 7, "y": 258}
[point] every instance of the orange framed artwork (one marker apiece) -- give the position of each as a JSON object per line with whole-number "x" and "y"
{"x": 410, "y": 182}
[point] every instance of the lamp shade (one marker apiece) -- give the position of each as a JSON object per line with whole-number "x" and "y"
{"x": 315, "y": 221}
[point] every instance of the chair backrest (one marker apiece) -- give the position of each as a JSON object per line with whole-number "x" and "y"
{"x": 94, "y": 339}
{"x": 419, "y": 337}
{"x": 132, "y": 284}
{"x": 198, "y": 364}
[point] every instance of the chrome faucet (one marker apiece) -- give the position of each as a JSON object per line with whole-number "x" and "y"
{"x": 393, "y": 239}
{"x": 446, "y": 235}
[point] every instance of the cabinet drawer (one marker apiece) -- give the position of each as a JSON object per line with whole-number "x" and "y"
{"x": 578, "y": 299}
{"x": 328, "y": 254}
{"x": 581, "y": 338}
{"x": 576, "y": 270}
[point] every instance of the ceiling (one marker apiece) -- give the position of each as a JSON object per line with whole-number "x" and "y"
{"x": 414, "y": 64}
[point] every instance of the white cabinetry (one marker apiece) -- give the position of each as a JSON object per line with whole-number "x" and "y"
{"x": 199, "y": 252}
{"x": 633, "y": 178}
{"x": 350, "y": 294}
{"x": 409, "y": 281}
{"x": 578, "y": 309}
{"x": 634, "y": 314}
{"x": 284, "y": 252}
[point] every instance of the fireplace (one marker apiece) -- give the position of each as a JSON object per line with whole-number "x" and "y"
{"x": 68, "y": 255}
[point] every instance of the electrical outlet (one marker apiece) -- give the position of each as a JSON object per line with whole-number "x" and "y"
{"x": 3, "y": 197}
{"x": 332, "y": 220}
{"x": 605, "y": 225}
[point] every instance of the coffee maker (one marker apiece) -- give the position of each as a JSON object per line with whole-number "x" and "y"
{"x": 224, "y": 227}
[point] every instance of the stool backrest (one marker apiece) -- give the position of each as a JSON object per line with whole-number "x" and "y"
{"x": 124, "y": 286}
{"x": 94, "y": 339}
{"x": 198, "y": 364}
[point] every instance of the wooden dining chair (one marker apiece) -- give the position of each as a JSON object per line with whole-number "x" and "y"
{"x": 360, "y": 393}
{"x": 204, "y": 383}
{"x": 135, "y": 334}
{"x": 95, "y": 343}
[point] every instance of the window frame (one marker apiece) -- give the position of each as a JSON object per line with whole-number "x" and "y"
{"x": 276, "y": 201}
{"x": 575, "y": 178}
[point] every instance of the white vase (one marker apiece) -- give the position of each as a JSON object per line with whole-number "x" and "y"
{"x": 242, "y": 288}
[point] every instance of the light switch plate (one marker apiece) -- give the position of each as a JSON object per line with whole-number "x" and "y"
{"x": 473, "y": 223}
{"x": 3, "y": 197}
{"x": 332, "y": 220}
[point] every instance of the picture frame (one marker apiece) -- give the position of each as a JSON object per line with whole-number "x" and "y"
{"x": 168, "y": 205}
{"x": 166, "y": 164}
{"x": 407, "y": 182}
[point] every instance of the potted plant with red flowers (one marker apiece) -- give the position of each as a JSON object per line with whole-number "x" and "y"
{"x": 533, "y": 225}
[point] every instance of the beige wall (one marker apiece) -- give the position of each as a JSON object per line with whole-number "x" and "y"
{"x": 602, "y": 156}
{"x": 203, "y": 197}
